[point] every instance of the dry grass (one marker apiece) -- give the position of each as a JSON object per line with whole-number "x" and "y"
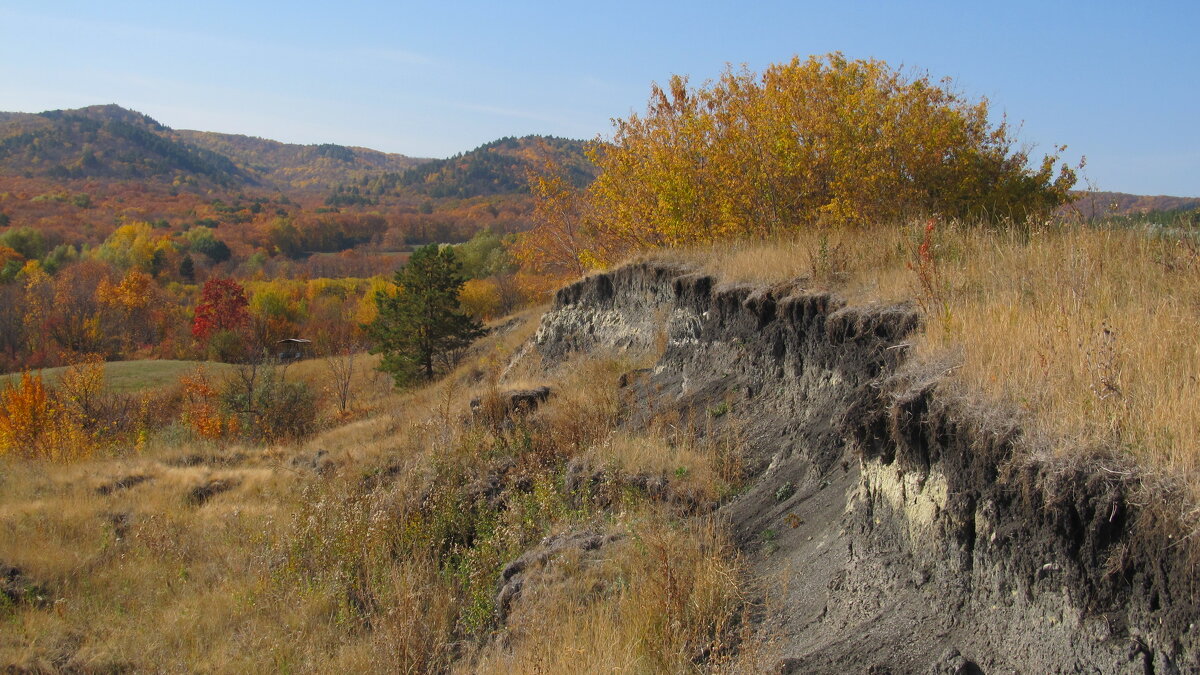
{"x": 367, "y": 548}
{"x": 1091, "y": 332}
{"x": 661, "y": 600}
{"x": 142, "y": 574}
{"x": 702, "y": 470}
{"x": 129, "y": 564}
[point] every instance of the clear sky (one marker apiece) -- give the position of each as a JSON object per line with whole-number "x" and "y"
{"x": 1115, "y": 81}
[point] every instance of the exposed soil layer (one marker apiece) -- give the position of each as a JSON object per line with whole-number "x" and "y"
{"x": 899, "y": 530}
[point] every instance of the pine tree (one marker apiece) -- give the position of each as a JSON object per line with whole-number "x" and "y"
{"x": 422, "y": 323}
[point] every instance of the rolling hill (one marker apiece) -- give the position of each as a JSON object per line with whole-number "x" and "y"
{"x": 107, "y": 142}
{"x": 499, "y": 167}
{"x": 113, "y": 143}
{"x": 289, "y": 165}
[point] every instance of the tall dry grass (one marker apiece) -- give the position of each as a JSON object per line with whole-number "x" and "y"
{"x": 1091, "y": 332}
{"x": 664, "y": 599}
{"x": 374, "y": 546}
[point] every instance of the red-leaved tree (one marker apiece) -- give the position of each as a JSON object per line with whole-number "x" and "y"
{"x": 223, "y": 306}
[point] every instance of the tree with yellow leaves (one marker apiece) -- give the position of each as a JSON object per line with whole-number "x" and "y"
{"x": 131, "y": 299}
{"x": 135, "y": 245}
{"x": 820, "y": 141}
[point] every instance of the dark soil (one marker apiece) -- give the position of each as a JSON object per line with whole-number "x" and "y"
{"x": 200, "y": 494}
{"x": 123, "y": 483}
{"x": 207, "y": 459}
{"x": 16, "y": 589}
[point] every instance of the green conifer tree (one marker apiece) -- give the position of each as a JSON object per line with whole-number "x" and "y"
{"x": 187, "y": 268}
{"x": 422, "y": 323}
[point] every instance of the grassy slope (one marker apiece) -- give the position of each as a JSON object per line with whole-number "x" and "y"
{"x": 127, "y": 377}
{"x": 300, "y": 564}
{"x": 369, "y": 547}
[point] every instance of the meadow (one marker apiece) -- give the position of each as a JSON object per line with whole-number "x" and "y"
{"x": 126, "y": 377}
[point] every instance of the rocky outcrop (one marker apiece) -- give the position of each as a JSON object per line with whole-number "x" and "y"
{"x": 909, "y": 533}
{"x": 513, "y": 401}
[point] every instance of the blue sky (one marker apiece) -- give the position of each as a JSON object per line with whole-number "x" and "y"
{"x": 1115, "y": 81}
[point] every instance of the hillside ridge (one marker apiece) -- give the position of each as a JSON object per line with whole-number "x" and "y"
{"x": 107, "y": 141}
{"x": 298, "y": 166}
{"x": 111, "y": 142}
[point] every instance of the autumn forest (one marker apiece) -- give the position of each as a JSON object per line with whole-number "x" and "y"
{"x": 113, "y": 226}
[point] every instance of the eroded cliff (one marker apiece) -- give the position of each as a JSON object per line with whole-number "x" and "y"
{"x": 896, "y": 529}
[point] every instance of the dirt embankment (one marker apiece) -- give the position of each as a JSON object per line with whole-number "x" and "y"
{"x": 896, "y": 530}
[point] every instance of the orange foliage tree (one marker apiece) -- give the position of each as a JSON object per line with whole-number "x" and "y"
{"x": 563, "y": 242}
{"x": 131, "y": 299}
{"x": 201, "y": 408}
{"x": 34, "y": 425}
{"x": 824, "y": 140}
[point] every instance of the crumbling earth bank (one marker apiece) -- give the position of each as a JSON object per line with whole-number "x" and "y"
{"x": 901, "y": 531}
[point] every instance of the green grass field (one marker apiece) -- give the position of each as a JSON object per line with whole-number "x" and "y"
{"x": 131, "y": 376}
{"x": 125, "y": 377}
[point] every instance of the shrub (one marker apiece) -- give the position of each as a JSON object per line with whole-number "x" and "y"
{"x": 270, "y": 407}
{"x": 480, "y": 298}
{"x": 227, "y": 346}
{"x": 289, "y": 410}
{"x": 818, "y": 141}
{"x": 35, "y": 425}
{"x": 201, "y": 412}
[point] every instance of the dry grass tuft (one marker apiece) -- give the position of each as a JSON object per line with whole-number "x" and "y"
{"x": 663, "y": 599}
{"x": 701, "y": 470}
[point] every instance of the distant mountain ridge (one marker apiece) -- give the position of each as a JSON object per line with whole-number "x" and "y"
{"x": 298, "y": 166}
{"x": 499, "y": 167}
{"x": 106, "y": 142}
{"x": 1096, "y": 204}
{"x": 111, "y": 142}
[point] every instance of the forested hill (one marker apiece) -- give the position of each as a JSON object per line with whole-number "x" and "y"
{"x": 107, "y": 142}
{"x": 290, "y": 165}
{"x": 499, "y": 167}
{"x": 111, "y": 142}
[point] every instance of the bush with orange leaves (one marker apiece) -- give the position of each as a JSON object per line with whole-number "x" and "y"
{"x": 201, "y": 408}
{"x": 35, "y": 424}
